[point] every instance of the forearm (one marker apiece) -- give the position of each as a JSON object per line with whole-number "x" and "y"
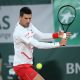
{"x": 44, "y": 36}
{"x": 47, "y": 36}
{"x": 44, "y": 45}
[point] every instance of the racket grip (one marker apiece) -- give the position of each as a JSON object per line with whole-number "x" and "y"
{"x": 64, "y": 35}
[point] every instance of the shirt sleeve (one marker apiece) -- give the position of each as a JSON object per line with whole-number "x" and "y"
{"x": 38, "y": 44}
{"x": 41, "y": 35}
{"x": 44, "y": 36}
{"x": 44, "y": 45}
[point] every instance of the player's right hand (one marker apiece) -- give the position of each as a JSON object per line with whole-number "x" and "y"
{"x": 63, "y": 42}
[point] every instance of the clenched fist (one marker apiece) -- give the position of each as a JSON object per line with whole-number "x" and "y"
{"x": 63, "y": 42}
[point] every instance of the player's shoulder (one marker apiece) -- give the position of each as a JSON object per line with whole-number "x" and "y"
{"x": 17, "y": 24}
{"x": 32, "y": 26}
{"x": 17, "y": 29}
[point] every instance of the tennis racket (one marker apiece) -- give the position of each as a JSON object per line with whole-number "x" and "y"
{"x": 66, "y": 16}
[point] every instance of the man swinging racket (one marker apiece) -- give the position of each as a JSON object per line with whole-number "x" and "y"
{"x": 24, "y": 42}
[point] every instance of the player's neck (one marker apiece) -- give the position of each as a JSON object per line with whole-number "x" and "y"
{"x": 23, "y": 25}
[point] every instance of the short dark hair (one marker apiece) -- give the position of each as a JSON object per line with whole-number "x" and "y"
{"x": 25, "y": 10}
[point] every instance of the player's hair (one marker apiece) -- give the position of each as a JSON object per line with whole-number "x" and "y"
{"x": 25, "y": 10}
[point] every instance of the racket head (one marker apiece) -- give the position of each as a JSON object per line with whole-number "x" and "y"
{"x": 66, "y": 15}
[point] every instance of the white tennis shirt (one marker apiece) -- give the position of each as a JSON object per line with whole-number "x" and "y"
{"x": 24, "y": 42}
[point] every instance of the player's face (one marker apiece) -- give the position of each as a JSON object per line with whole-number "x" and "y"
{"x": 25, "y": 20}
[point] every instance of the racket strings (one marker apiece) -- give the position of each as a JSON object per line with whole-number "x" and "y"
{"x": 66, "y": 16}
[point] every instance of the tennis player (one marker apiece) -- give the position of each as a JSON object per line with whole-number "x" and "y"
{"x": 24, "y": 42}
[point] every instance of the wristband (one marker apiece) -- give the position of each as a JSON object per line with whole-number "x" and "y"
{"x": 55, "y": 35}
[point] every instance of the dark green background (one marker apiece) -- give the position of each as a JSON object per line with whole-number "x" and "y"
{"x": 22, "y": 2}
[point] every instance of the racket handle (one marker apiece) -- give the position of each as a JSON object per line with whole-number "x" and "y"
{"x": 64, "y": 35}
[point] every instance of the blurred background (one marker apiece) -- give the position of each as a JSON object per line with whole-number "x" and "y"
{"x": 59, "y": 63}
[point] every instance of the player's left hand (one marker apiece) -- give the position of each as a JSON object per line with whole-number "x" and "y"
{"x": 68, "y": 34}
{"x": 61, "y": 34}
